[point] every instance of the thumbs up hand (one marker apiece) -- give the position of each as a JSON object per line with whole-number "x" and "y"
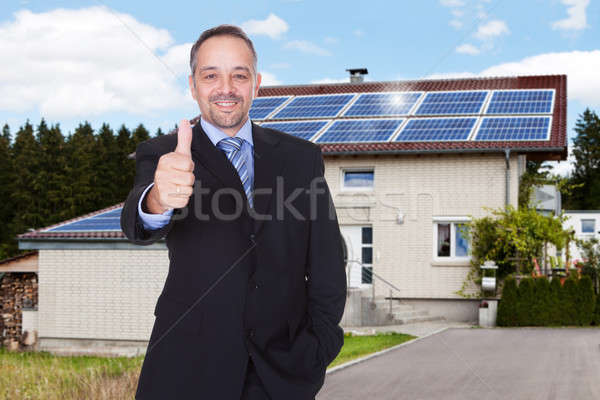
{"x": 174, "y": 177}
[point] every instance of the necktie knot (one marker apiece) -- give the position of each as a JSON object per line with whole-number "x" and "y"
{"x": 230, "y": 144}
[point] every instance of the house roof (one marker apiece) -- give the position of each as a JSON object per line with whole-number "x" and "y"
{"x": 553, "y": 149}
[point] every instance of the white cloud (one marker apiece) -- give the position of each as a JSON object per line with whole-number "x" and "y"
{"x": 467, "y": 49}
{"x": 576, "y": 19}
{"x": 452, "y": 3}
{"x": 85, "y": 62}
{"x": 491, "y": 29}
{"x": 273, "y": 26}
{"x": 306, "y": 47}
{"x": 455, "y": 23}
{"x": 269, "y": 79}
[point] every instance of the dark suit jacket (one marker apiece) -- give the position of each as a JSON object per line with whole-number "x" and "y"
{"x": 273, "y": 289}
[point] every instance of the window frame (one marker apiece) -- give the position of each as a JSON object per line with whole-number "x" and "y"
{"x": 345, "y": 188}
{"x": 453, "y": 221}
{"x": 593, "y": 231}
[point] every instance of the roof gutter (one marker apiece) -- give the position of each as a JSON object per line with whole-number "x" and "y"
{"x": 443, "y": 151}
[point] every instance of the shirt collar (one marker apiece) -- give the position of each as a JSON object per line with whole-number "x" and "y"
{"x": 216, "y": 135}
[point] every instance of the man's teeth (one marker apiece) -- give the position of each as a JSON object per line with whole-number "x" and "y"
{"x": 226, "y": 103}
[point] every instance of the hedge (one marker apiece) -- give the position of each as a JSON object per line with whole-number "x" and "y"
{"x": 540, "y": 302}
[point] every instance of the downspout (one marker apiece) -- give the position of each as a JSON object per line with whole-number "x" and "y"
{"x": 507, "y": 189}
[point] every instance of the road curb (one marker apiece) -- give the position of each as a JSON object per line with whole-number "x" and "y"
{"x": 381, "y": 352}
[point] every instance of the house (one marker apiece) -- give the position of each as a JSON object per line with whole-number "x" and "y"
{"x": 585, "y": 224}
{"x": 407, "y": 163}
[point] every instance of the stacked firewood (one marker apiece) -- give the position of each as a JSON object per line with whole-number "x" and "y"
{"x": 17, "y": 291}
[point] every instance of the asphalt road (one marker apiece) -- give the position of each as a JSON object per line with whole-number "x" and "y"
{"x": 482, "y": 364}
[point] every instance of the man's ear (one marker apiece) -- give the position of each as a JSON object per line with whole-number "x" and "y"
{"x": 258, "y": 79}
{"x": 193, "y": 87}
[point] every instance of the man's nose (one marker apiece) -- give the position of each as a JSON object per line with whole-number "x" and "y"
{"x": 226, "y": 85}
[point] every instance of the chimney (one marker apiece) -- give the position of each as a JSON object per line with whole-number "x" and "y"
{"x": 357, "y": 74}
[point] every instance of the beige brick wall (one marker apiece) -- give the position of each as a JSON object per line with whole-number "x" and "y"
{"x": 422, "y": 187}
{"x": 107, "y": 294}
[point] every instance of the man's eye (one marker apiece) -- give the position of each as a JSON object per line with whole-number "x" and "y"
{"x": 240, "y": 76}
{"x": 210, "y": 76}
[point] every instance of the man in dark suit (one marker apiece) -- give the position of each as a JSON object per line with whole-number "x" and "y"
{"x": 256, "y": 285}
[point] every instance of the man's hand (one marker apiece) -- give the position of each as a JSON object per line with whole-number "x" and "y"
{"x": 174, "y": 176}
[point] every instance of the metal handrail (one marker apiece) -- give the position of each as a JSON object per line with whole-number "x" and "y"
{"x": 391, "y": 285}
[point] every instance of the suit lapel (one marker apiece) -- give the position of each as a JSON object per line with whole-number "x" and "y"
{"x": 214, "y": 160}
{"x": 268, "y": 164}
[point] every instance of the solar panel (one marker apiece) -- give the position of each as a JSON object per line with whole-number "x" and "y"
{"x": 436, "y": 129}
{"x": 514, "y": 128}
{"x": 452, "y": 103}
{"x": 314, "y": 106}
{"x": 302, "y": 129}
{"x": 360, "y": 130}
{"x": 521, "y": 102}
{"x": 382, "y": 104}
{"x": 106, "y": 221}
{"x": 263, "y": 106}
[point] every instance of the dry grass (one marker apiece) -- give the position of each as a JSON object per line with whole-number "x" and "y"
{"x": 44, "y": 376}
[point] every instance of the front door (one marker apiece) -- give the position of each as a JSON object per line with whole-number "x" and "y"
{"x": 359, "y": 248}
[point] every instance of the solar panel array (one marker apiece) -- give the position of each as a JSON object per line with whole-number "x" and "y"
{"x": 106, "y": 221}
{"x": 263, "y": 106}
{"x": 479, "y": 115}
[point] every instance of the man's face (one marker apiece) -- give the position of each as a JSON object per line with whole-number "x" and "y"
{"x": 225, "y": 82}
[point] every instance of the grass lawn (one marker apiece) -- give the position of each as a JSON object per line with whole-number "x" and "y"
{"x": 43, "y": 376}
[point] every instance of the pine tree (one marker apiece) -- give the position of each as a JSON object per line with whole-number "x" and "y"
{"x": 50, "y": 181}
{"x": 126, "y": 172}
{"x": 586, "y": 150}
{"x": 159, "y": 132}
{"x": 81, "y": 192}
{"x": 24, "y": 196}
{"x": 139, "y": 135}
{"x": 8, "y": 244}
{"x": 108, "y": 167}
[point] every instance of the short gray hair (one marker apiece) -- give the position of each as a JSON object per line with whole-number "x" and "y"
{"x": 221, "y": 30}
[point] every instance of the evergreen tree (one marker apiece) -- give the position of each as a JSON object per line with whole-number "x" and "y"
{"x": 139, "y": 135}
{"x": 50, "y": 181}
{"x": 569, "y": 301}
{"x": 108, "y": 167}
{"x": 8, "y": 244}
{"x": 81, "y": 194}
{"x": 507, "y": 307}
{"x": 586, "y": 301}
{"x": 541, "y": 308}
{"x": 159, "y": 132}
{"x": 555, "y": 317}
{"x": 126, "y": 172}
{"x": 24, "y": 197}
{"x": 525, "y": 302}
{"x": 596, "y": 320}
{"x": 586, "y": 175}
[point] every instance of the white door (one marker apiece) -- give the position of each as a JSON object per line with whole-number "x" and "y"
{"x": 359, "y": 249}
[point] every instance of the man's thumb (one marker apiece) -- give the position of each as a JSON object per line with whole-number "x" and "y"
{"x": 184, "y": 138}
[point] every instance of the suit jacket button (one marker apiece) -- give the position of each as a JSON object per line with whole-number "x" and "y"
{"x": 251, "y": 333}
{"x": 252, "y": 236}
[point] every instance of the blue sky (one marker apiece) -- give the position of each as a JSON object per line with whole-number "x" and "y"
{"x": 127, "y": 62}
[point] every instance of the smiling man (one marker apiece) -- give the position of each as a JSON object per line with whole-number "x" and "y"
{"x": 256, "y": 284}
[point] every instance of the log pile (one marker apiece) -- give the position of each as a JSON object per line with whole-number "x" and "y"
{"x": 17, "y": 291}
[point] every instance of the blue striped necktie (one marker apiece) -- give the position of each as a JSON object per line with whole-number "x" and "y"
{"x": 232, "y": 147}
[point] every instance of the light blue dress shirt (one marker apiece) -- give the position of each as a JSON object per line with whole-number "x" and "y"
{"x": 157, "y": 221}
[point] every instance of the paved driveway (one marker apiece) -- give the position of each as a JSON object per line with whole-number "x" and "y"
{"x": 526, "y": 363}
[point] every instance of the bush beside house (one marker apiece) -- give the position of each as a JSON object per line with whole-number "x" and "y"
{"x": 539, "y": 302}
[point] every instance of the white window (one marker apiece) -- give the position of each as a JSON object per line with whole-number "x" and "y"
{"x": 367, "y": 255}
{"x": 357, "y": 179}
{"x": 450, "y": 239}
{"x": 588, "y": 226}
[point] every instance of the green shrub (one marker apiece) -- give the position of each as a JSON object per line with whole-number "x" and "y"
{"x": 585, "y": 303}
{"x": 569, "y": 301}
{"x": 507, "y": 306}
{"x": 526, "y": 297}
{"x": 596, "y": 320}
{"x": 541, "y": 308}
{"x": 555, "y": 314}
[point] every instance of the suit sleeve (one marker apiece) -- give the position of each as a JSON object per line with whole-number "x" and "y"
{"x": 146, "y": 161}
{"x": 326, "y": 271}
